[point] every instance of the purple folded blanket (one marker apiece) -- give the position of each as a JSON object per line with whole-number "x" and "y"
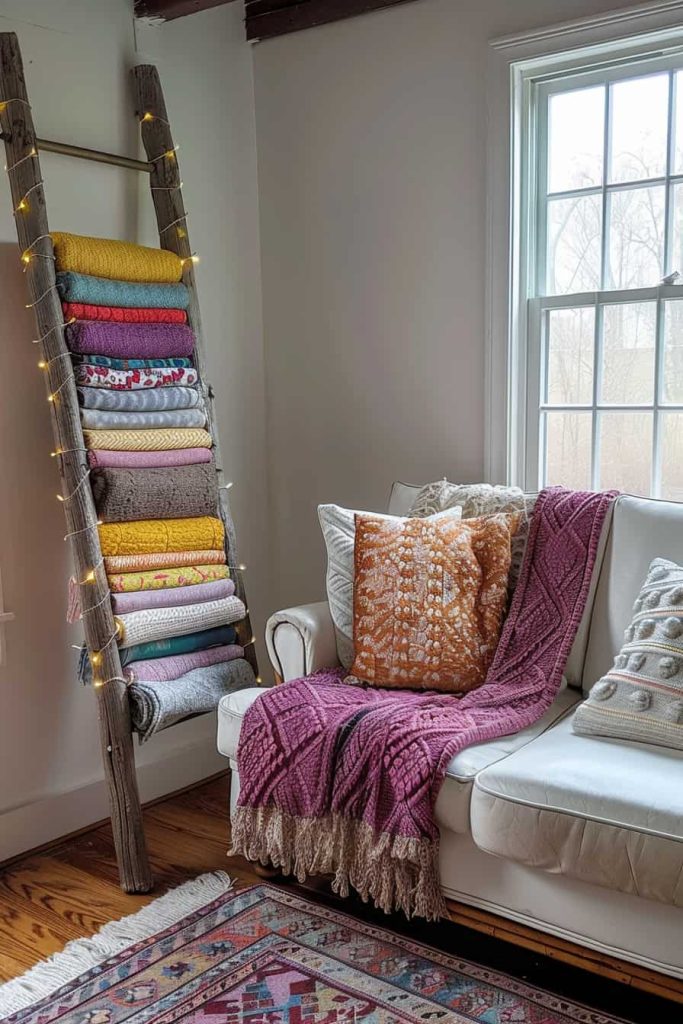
{"x": 158, "y": 670}
{"x": 103, "y": 458}
{"x": 171, "y": 597}
{"x": 130, "y": 341}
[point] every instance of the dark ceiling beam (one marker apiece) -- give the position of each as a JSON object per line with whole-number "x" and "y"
{"x": 268, "y": 18}
{"x": 171, "y": 9}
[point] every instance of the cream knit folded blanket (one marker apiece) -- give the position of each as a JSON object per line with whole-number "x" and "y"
{"x": 158, "y": 623}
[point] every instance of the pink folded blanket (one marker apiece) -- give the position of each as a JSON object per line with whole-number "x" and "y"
{"x": 177, "y": 665}
{"x": 104, "y": 458}
{"x": 130, "y": 341}
{"x": 172, "y": 597}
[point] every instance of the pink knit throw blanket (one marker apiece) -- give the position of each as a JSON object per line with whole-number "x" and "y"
{"x": 341, "y": 780}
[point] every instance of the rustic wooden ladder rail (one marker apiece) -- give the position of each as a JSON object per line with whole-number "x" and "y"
{"x": 23, "y": 170}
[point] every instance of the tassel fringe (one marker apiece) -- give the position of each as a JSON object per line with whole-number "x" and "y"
{"x": 82, "y": 955}
{"x": 395, "y": 872}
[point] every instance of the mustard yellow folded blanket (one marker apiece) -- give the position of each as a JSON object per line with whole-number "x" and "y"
{"x": 166, "y": 579}
{"x": 157, "y": 439}
{"x": 115, "y": 260}
{"x": 146, "y": 536}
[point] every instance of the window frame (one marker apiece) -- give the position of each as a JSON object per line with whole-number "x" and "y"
{"x": 608, "y": 43}
{"x": 534, "y": 169}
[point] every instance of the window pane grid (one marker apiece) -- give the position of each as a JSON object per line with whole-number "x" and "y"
{"x": 612, "y": 416}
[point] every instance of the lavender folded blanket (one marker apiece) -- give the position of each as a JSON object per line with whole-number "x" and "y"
{"x": 103, "y": 419}
{"x": 364, "y": 766}
{"x": 157, "y": 705}
{"x": 152, "y": 400}
{"x": 127, "y": 341}
{"x": 104, "y": 458}
{"x": 175, "y": 665}
{"x": 171, "y": 597}
{"x": 125, "y": 495}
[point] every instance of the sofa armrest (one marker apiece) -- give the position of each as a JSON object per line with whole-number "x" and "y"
{"x": 301, "y": 640}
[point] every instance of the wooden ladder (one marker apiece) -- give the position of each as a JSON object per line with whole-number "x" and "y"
{"x": 23, "y": 170}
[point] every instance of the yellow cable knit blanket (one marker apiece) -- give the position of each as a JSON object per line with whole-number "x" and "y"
{"x": 156, "y": 439}
{"x": 115, "y": 260}
{"x": 145, "y": 536}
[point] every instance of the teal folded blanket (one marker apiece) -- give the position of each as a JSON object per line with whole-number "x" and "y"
{"x": 163, "y": 648}
{"x": 134, "y": 364}
{"x": 97, "y": 291}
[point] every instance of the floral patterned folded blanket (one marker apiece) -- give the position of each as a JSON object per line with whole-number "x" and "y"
{"x": 93, "y": 376}
{"x": 126, "y": 564}
{"x": 166, "y": 578}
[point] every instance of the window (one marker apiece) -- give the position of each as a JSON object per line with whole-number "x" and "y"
{"x": 601, "y": 400}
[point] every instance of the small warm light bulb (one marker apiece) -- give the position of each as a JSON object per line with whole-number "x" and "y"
{"x": 3, "y": 108}
{"x": 253, "y": 640}
{"x": 23, "y": 205}
{"x": 25, "y": 256}
{"x": 170, "y": 154}
{"x": 90, "y": 578}
{"x": 147, "y": 116}
{"x": 190, "y": 259}
{"x": 50, "y": 398}
{"x": 60, "y": 498}
{"x": 72, "y": 320}
{"x": 98, "y": 683}
{"x": 42, "y": 365}
{"x": 182, "y": 233}
{"x": 55, "y": 453}
{"x": 241, "y": 568}
{"x": 96, "y": 658}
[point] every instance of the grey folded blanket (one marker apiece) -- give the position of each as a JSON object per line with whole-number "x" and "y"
{"x": 102, "y": 419}
{"x": 157, "y": 705}
{"x": 124, "y": 495}
{"x": 139, "y": 400}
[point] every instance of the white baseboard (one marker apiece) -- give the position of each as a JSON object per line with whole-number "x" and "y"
{"x": 24, "y": 828}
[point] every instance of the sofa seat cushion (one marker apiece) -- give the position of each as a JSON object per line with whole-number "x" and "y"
{"x": 604, "y": 811}
{"x": 452, "y": 810}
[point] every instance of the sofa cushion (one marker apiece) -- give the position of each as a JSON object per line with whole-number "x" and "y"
{"x": 452, "y": 810}
{"x": 607, "y": 812}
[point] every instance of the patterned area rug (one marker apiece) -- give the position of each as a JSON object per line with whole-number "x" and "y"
{"x": 265, "y": 956}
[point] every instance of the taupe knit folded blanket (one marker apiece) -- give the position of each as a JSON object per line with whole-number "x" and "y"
{"x": 124, "y": 495}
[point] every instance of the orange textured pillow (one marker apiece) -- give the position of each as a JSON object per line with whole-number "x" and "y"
{"x": 429, "y": 597}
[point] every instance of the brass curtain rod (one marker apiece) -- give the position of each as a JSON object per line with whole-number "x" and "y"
{"x": 66, "y": 149}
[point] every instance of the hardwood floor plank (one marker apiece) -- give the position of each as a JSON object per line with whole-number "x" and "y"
{"x": 71, "y": 889}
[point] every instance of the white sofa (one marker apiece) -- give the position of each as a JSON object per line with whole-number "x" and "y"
{"x": 579, "y": 837}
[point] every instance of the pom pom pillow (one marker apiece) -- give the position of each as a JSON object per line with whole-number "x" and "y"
{"x": 428, "y": 599}
{"x": 641, "y": 697}
{"x": 339, "y": 530}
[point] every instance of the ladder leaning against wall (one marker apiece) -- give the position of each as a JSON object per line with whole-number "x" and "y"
{"x": 23, "y": 163}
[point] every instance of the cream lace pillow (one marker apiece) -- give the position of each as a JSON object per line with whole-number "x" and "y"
{"x": 339, "y": 531}
{"x": 480, "y": 500}
{"x": 641, "y": 697}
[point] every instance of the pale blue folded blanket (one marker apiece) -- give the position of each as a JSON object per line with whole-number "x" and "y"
{"x": 98, "y": 291}
{"x": 157, "y": 705}
{"x": 151, "y": 400}
{"x": 102, "y": 419}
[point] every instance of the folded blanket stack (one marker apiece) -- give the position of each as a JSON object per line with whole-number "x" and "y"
{"x": 152, "y": 475}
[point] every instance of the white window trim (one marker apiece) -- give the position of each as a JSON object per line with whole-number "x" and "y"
{"x": 622, "y": 34}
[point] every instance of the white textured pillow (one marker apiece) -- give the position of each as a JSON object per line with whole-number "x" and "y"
{"x": 339, "y": 531}
{"x": 480, "y": 500}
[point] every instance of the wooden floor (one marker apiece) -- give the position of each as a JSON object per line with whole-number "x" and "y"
{"x": 71, "y": 890}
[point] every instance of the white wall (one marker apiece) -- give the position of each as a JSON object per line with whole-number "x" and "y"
{"x": 77, "y": 55}
{"x": 371, "y": 139}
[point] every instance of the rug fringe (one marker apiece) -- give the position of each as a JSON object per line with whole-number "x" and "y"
{"x": 80, "y": 955}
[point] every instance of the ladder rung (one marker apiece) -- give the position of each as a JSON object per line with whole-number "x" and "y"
{"x": 66, "y": 149}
